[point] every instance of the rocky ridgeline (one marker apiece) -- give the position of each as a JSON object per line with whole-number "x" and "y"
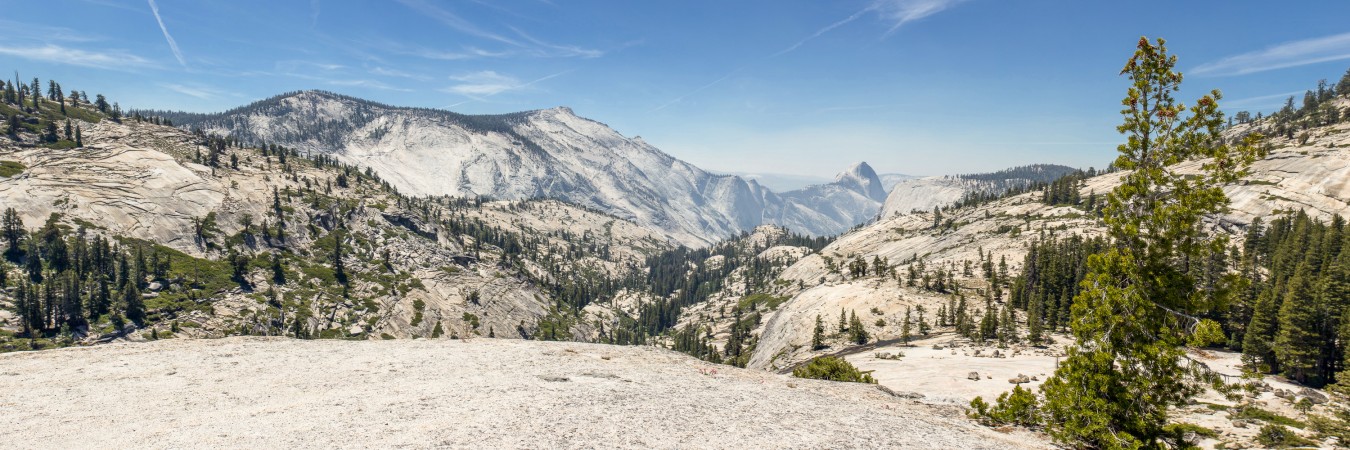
{"x": 416, "y": 268}
{"x": 550, "y": 153}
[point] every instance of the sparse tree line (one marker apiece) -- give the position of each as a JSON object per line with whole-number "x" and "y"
{"x": 1317, "y": 109}
{"x": 25, "y": 109}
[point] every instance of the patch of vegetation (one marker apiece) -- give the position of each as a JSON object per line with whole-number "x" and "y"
{"x": 60, "y": 145}
{"x": 11, "y": 168}
{"x": 1278, "y": 436}
{"x": 1255, "y": 413}
{"x": 1184, "y": 435}
{"x": 754, "y": 302}
{"x": 472, "y": 320}
{"x": 418, "y": 307}
{"x": 833, "y": 369}
{"x": 1017, "y": 407}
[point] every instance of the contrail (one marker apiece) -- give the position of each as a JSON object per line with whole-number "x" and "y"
{"x": 172, "y": 45}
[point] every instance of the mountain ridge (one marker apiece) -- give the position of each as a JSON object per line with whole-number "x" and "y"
{"x": 543, "y": 153}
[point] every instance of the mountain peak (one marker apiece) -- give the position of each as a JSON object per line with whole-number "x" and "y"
{"x": 862, "y": 178}
{"x": 860, "y": 170}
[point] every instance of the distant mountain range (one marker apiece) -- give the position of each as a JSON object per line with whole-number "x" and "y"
{"x": 781, "y": 182}
{"x": 550, "y": 153}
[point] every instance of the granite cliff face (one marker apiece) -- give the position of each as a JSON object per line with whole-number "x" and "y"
{"x": 551, "y": 153}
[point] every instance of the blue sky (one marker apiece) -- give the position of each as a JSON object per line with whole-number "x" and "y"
{"x": 798, "y": 87}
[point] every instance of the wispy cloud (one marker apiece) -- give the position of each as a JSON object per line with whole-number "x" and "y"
{"x": 850, "y": 108}
{"x": 173, "y": 45}
{"x": 695, "y": 91}
{"x": 524, "y": 43}
{"x": 555, "y": 50}
{"x": 822, "y": 31}
{"x": 371, "y": 84}
{"x": 294, "y": 65}
{"x": 482, "y": 84}
{"x": 313, "y": 13}
{"x": 381, "y": 71}
{"x": 21, "y": 30}
{"x": 456, "y": 22}
{"x": 1262, "y": 101}
{"x": 115, "y": 60}
{"x": 896, "y": 12}
{"x": 203, "y": 93}
{"x": 114, "y": 4}
{"x": 901, "y": 12}
{"x": 1288, "y": 54}
{"x": 466, "y": 53}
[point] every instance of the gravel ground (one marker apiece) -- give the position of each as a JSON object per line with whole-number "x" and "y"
{"x": 278, "y": 393}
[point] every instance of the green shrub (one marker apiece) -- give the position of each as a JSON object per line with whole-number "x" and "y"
{"x": 755, "y": 301}
{"x": 472, "y": 320}
{"x": 1017, "y": 407}
{"x": 10, "y": 168}
{"x": 1278, "y": 436}
{"x": 418, "y": 307}
{"x": 1254, "y": 413}
{"x": 1207, "y": 333}
{"x": 834, "y": 369}
{"x": 1178, "y": 433}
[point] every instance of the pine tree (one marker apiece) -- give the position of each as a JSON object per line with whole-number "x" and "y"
{"x": 79, "y": 138}
{"x": 278, "y": 272}
{"x": 1133, "y": 316}
{"x": 923, "y": 323}
{"x": 135, "y": 306}
{"x": 339, "y": 269}
{"x": 905, "y": 334}
{"x": 856, "y": 332}
{"x": 818, "y": 335}
{"x": 1298, "y": 343}
{"x": 1035, "y": 328}
{"x": 843, "y": 321}
{"x": 1007, "y": 330}
{"x": 11, "y": 229}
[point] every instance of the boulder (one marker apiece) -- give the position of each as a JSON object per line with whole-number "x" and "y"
{"x": 1019, "y": 379}
{"x": 973, "y": 376}
{"x": 1317, "y": 398}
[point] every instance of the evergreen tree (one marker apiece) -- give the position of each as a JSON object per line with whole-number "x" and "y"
{"x": 1298, "y": 342}
{"x": 905, "y": 334}
{"x": 1132, "y": 319}
{"x": 843, "y": 321}
{"x": 278, "y": 272}
{"x": 923, "y": 323}
{"x": 12, "y": 126}
{"x": 856, "y": 332}
{"x": 1007, "y": 330}
{"x": 339, "y": 269}
{"x": 11, "y": 229}
{"x": 818, "y": 335}
{"x": 131, "y": 298}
